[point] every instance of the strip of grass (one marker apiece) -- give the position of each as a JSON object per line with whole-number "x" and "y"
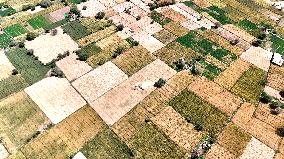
{"x": 218, "y": 14}
{"x": 31, "y": 70}
{"x": 151, "y": 143}
{"x": 7, "y": 12}
{"x": 76, "y": 30}
{"x": 15, "y": 30}
{"x": 39, "y": 22}
{"x": 75, "y": 1}
{"x": 199, "y": 112}
{"x": 4, "y": 40}
{"x": 250, "y": 85}
{"x": 106, "y": 145}
{"x": 12, "y": 85}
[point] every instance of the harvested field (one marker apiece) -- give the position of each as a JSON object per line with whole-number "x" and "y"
{"x": 256, "y": 150}
{"x": 59, "y": 14}
{"x": 94, "y": 25}
{"x": 73, "y": 68}
{"x": 57, "y": 44}
{"x": 148, "y": 41}
{"x": 234, "y": 139}
{"x": 20, "y": 120}
{"x": 31, "y": 70}
{"x": 99, "y": 81}
{"x": 133, "y": 60}
{"x": 258, "y": 56}
{"x": 173, "y": 15}
{"x": 215, "y": 95}
{"x": 219, "y": 152}
{"x": 165, "y": 36}
{"x": 56, "y": 98}
{"x": 11, "y": 85}
{"x": 106, "y": 144}
{"x": 67, "y": 137}
{"x": 201, "y": 113}
{"x": 151, "y": 143}
{"x": 276, "y": 77}
{"x": 176, "y": 29}
{"x": 250, "y": 84}
{"x": 94, "y": 6}
{"x": 110, "y": 41}
{"x": 230, "y": 76}
{"x": 112, "y": 106}
{"x": 76, "y": 30}
{"x": 6, "y": 66}
{"x": 239, "y": 32}
{"x": 177, "y": 128}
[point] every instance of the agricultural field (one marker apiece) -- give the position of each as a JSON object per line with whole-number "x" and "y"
{"x": 153, "y": 79}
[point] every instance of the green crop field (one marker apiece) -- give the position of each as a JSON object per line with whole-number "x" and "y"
{"x": 39, "y": 22}
{"x": 278, "y": 44}
{"x": 15, "y": 30}
{"x": 75, "y": 1}
{"x": 211, "y": 71}
{"x": 218, "y": 14}
{"x": 31, "y": 70}
{"x": 7, "y": 12}
{"x": 76, "y": 30}
{"x": 4, "y": 40}
{"x": 199, "y": 112}
{"x": 55, "y": 25}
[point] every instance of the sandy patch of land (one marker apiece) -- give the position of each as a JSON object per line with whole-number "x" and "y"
{"x": 73, "y": 68}
{"x": 6, "y": 66}
{"x": 37, "y": 9}
{"x": 99, "y": 81}
{"x": 47, "y": 47}
{"x": 257, "y": 150}
{"x": 258, "y": 56}
{"x": 56, "y": 98}
{"x": 93, "y": 7}
{"x": 148, "y": 41}
{"x": 123, "y": 6}
{"x": 219, "y": 152}
{"x": 3, "y": 152}
{"x": 79, "y": 155}
{"x": 120, "y": 100}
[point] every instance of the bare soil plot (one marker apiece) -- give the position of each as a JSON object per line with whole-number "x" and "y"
{"x": 112, "y": 106}
{"x": 230, "y": 76}
{"x": 176, "y": 29}
{"x": 72, "y": 67}
{"x": 133, "y": 60}
{"x": 219, "y": 152}
{"x": 279, "y": 156}
{"x": 258, "y": 56}
{"x": 93, "y": 7}
{"x": 123, "y": 6}
{"x": 67, "y": 137}
{"x": 173, "y": 52}
{"x": 173, "y": 15}
{"x": 153, "y": 28}
{"x": 79, "y": 155}
{"x": 6, "y": 66}
{"x": 234, "y": 139}
{"x": 215, "y": 95}
{"x": 59, "y": 14}
{"x": 20, "y": 120}
{"x": 148, "y": 41}
{"x": 3, "y": 152}
{"x": 276, "y": 77}
{"x": 48, "y": 47}
{"x": 108, "y": 3}
{"x": 239, "y": 32}
{"x": 165, "y": 36}
{"x": 250, "y": 85}
{"x": 177, "y": 128}
{"x": 56, "y": 98}
{"x": 126, "y": 127}
{"x": 99, "y": 81}
{"x": 257, "y": 150}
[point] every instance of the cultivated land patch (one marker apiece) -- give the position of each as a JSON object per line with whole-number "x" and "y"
{"x": 199, "y": 112}
{"x": 106, "y": 144}
{"x": 30, "y": 69}
{"x": 250, "y": 85}
{"x": 6, "y": 66}
{"x": 99, "y": 81}
{"x": 239, "y": 32}
{"x": 177, "y": 128}
{"x": 56, "y": 98}
{"x": 165, "y": 36}
{"x": 72, "y": 67}
{"x": 66, "y": 138}
{"x": 47, "y": 47}
{"x": 217, "y": 151}
{"x": 20, "y": 120}
{"x": 76, "y": 30}
{"x": 148, "y": 41}
{"x": 276, "y": 77}
{"x": 39, "y": 22}
{"x": 176, "y": 29}
{"x": 258, "y": 56}
{"x": 11, "y": 85}
{"x": 59, "y": 14}
{"x": 4, "y": 40}
{"x": 112, "y": 106}
{"x": 133, "y": 60}
{"x": 15, "y": 30}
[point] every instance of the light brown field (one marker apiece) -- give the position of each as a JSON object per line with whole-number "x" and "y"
{"x": 229, "y": 77}
{"x": 6, "y": 66}
{"x": 111, "y": 41}
{"x": 176, "y": 29}
{"x": 99, "y": 81}
{"x": 165, "y": 36}
{"x": 219, "y": 152}
{"x": 215, "y": 95}
{"x": 55, "y": 97}
{"x": 239, "y": 32}
{"x": 276, "y": 77}
{"x": 113, "y": 105}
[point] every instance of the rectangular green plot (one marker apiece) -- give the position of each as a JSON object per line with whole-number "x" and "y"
{"x": 31, "y": 70}
{"x": 247, "y": 25}
{"x": 7, "y": 12}
{"x": 39, "y": 22}
{"x": 4, "y": 40}
{"x": 277, "y": 44}
{"x": 211, "y": 70}
{"x": 15, "y": 30}
{"x": 76, "y": 30}
{"x": 218, "y": 14}
{"x": 199, "y": 112}
{"x": 75, "y": 1}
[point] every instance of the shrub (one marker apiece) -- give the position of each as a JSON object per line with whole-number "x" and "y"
{"x": 30, "y": 36}
{"x": 160, "y": 83}
{"x": 83, "y": 56}
{"x": 120, "y": 27}
{"x": 117, "y": 52}
{"x": 282, "y": 93}
{"x": 45, "y": 3}
{"x": 21, "y": 44}
{"x": 100, "y": 15}
{"x": 53, "y": 32}
{"x": 265, "y": 98}
{"x": 280, "y": 131}
{"x": 14, "y": 72}
{"x": 30, "y": 52}
{"x": 276, "y": 111}
{"x": 275, "y": 104}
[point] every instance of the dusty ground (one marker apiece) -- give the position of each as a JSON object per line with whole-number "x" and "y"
{"x": 93, "y": 7}
{"x": 59, "y": 14}
{"x": 6, "y": 66}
